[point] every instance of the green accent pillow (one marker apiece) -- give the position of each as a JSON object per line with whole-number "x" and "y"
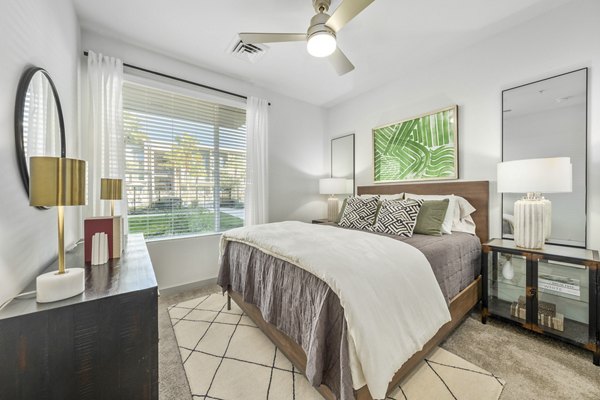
{"x": 431, "y": 217}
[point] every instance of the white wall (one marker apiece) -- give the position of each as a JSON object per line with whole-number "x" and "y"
{"x": 45, "y": 34}
{"x": 295, "y": 160}
{"x": 562, "y": 40}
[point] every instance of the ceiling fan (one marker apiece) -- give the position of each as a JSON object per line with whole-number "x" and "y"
{"x": 321, "y": 35}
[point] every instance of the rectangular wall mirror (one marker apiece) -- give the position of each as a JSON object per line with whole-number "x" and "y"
{"x": 342, "y": 160}
{"x": 548, "y": 118}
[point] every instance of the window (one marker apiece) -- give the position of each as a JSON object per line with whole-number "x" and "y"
{"x": 185, "y": 163}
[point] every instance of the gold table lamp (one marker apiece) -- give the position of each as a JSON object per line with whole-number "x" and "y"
{"x": 58, "y": 182}
{"x": 111, "y": 189}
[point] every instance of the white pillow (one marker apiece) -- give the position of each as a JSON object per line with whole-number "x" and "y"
{"x": 466, "y": 225}
{"x": 463, "y": 222}
{"x": 450, "y": 212}
{"x": 464, "y": 207}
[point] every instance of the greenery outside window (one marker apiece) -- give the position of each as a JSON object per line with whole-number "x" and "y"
{"x": 185, "y": 163}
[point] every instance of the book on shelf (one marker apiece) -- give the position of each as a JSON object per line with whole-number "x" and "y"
{"x": 560, "y": 284}
{"x": 557, "y": 322}
{"x": 543, "y": 306}
{"x": 518, "y": 310}
{"x": 547, "y": 315}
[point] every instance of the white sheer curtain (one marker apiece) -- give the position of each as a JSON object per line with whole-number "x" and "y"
{"x": 257, "y": 130}
{"x": 103, "y": 139}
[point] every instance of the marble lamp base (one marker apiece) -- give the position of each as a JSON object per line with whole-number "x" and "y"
{"x": 530, "y": 221}
{"x": 53, "y": 286}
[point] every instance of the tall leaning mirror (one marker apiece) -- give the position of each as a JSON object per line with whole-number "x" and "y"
{"x": 39, "y": 124}
{"x": 548, "y": 118}
{"x": 342, "y": 160}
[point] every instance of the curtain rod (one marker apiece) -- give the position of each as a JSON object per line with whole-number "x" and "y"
{"x": 85, "y": 53}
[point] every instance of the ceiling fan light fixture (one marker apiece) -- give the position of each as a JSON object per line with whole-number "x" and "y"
{"x": 321, "y": 44}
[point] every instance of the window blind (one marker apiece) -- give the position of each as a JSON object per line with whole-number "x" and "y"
{"x": 185, "y": 163}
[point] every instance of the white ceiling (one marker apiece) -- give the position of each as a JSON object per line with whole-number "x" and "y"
{"x": 562, "y": 91}
{"x": 388, "y": 38}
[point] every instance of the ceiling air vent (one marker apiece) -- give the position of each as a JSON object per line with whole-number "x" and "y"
{"x": 248, "y": 52}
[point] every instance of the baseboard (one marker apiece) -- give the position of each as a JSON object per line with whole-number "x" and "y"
{"x": 187, "y": 286}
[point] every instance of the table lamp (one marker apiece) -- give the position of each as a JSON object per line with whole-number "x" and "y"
{"x": 533, "y": 213}
{"x": 58, "y": 182}
{"x": 111, "y": 189}
{"x": 331, "y": 187}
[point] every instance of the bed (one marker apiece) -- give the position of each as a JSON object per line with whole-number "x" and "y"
{"x": 293, "y": 293}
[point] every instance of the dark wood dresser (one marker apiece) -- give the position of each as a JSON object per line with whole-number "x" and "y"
{"x": 101, "y": 344}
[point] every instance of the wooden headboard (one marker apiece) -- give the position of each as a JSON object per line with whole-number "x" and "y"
{"x": 476, "y": 192}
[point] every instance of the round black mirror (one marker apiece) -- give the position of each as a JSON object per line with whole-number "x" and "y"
{"x": 39, "y": 124}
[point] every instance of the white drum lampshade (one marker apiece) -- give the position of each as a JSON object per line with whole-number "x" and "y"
{"x": 538, "y": 175}
{"x": 331, "y": 187}
{"x": 533, "y": 213}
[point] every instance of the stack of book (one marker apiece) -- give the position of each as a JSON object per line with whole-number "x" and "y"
{"x": 547, "y": 315}
{"x": 517, "y": 309}
{"x": 559, "y": 284}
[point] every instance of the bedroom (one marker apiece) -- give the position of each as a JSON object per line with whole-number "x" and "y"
{"x": 472, "y": 55}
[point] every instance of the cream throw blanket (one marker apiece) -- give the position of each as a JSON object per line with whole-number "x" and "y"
{"x": 392, "y": 302}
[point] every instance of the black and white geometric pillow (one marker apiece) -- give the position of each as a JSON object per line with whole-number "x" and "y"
{"x": 359, "y": 212}
{"x": 398, "y": 217}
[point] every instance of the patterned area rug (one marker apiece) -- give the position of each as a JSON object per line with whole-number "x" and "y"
{"x": 226, "y": 357}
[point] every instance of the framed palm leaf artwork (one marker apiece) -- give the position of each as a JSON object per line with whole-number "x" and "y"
{"x": 417, "y": 149}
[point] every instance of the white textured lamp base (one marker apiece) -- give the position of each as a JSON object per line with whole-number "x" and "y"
{"x": 529, "y": 223}
{"x": 53, "y": 286}
{"x": 547, "y": 218}
{"x": 333, "y": 208}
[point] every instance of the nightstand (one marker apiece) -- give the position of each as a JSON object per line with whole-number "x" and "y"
{"x": 321, "y": 221}
{"x": 554, "y": 291}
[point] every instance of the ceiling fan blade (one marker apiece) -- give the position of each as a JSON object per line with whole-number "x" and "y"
{"x": 340, "y": 62}
{"x": 252, "y": 38}
{"x": 345, "y": 12}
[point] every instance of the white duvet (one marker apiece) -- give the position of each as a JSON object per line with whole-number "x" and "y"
{"x": 392, "y": 302}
